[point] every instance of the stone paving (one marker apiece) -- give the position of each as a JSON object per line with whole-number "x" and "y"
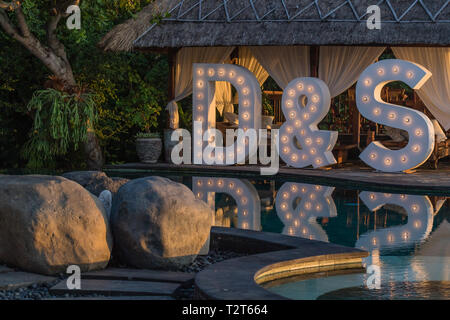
{"x": 359, "y": 176}
{"x": 111, "y": 283}
{"x": 118, "y": 288}
{"x": 128, "y": 282}
{"x": 5, "y": 269}
{"x": 108, "y": 284}
{"x": 11, "y": 280}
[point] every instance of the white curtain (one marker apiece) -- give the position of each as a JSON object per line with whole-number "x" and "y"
{"x": 248, "y": 60}
{"x": 284, "y": 64}
{"x": 341, "y": 66}
{"x": 223, "y": 95}
{"x": 435, "y": 93}
{"x": 184, "y": 60}
{"x": 224, "y": 98}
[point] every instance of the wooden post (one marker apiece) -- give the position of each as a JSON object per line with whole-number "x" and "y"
{"x": 356, "y": 117}
{"x": 314, "y": 52}
{"x": 172, "y": 68}
{"x": 172, "y": 53}
{"x": 357, "y": 211}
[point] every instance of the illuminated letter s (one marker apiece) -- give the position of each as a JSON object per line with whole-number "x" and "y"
{"x": 371, "y": 106}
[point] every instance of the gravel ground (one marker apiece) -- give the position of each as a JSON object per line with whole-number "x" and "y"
{"x": 198, "y": 265}
{"x": 213, "y": 257}
{"x": 39, "y": 292}
{"x": 35, "y": 292}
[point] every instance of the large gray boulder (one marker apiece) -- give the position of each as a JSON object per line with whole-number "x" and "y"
{"x": 96, "y": 181}
{"x": 48, "y": 223}
{"x": 158, "y": 223}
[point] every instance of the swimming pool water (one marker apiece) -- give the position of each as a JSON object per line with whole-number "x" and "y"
{"x": 407, "y": 235}
{"x": 394, "y": 269}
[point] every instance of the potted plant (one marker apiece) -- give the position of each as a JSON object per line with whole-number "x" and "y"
{"x": 148, "y": 146}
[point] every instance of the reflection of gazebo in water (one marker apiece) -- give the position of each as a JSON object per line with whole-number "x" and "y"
{"x": 286, "y": 39}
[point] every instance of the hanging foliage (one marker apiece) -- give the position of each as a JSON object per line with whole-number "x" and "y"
{"x": 61, "y": 122}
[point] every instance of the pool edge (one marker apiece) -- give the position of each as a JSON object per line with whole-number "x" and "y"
{"x": 240, "y": 278}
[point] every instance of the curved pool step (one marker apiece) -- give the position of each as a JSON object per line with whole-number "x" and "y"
{"x": 241, "y": 278}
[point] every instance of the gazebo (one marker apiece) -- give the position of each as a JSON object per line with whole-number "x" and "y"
{"x": 287, "y": 39}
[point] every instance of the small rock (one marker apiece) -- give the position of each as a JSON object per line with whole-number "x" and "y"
{"x": 106, "y": 198}
{"x": 96, "y": 181}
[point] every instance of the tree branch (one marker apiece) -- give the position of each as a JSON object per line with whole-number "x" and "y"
{"x": 53, "y": 40}
{"x": 54, "y": 55}
{"x": 22, "y": 22}
{"x": 62, "y": 8}
{"x": 10, "y": 5}
{"x": 51, "y": 30}
{"x": 9, "y": 28}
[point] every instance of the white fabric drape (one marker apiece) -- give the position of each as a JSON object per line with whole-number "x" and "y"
{"x": 435, "y": 93}
{"x": 248, "y": 60}
{"x": 223, "y": 95}
{"x": 184, "y": 61}
{"x": 283, "y": 64}
{"x": 224, "y": 98}
{"x": 341, "y": 66}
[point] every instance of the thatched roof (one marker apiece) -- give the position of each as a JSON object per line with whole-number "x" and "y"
{"x": 122, "y": 36}
{"x": 283, "y": 22}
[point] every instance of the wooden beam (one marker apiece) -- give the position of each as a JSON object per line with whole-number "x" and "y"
{"x": 356, "y": 117}
{"x": 172, "y": 55}
{"x": 314, "y": 52}
{"x": 152, "y": 50}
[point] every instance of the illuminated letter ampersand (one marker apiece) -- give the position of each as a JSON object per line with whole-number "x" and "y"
{"x": 305, "y": 103}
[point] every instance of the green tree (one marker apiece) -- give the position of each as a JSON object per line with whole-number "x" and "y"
{"x": 128, "y": 87}
{"x": 52, "y": 53}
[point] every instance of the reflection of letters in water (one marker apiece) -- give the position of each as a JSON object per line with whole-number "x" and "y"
{"x": 242, "y": 191}
{"x": 299, "y": 205}
{"x": 420, "y": 221}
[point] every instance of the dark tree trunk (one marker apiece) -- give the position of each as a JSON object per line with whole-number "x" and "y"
{"x": 93, "y": 152}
